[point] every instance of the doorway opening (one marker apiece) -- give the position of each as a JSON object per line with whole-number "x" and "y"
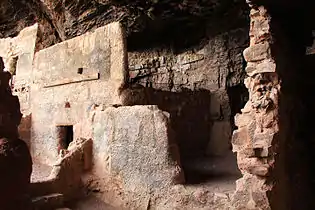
{"x": 65, "y": 136}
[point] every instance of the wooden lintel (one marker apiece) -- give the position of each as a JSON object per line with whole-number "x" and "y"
{"x": 76, "y": 79}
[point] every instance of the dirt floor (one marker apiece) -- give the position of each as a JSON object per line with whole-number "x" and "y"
{"x": 204, "y": 174}
{"x": 213, "y": 171}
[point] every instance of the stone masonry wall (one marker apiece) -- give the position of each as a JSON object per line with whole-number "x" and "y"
{"x": 194, "y": 82}
{"x": 135, "y": 145}
{"x": 256, "y": 138}
{"x": 70, "y": 79}
{"x": 193, "y": 86}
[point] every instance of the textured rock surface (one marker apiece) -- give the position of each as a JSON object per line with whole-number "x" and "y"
{"x": 216, "y": 64}
{"x": 193, "y": 87}
{"x": 138, "y": 147}
{"x": 136, "y": 160}
{"x": 63, "y": 20}
{"x": 74, "y": 77}
{"x": 256, "y": 138}
{"x": 17, "y": 54}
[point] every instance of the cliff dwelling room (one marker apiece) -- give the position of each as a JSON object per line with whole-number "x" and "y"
{"x": 157, "y": 105}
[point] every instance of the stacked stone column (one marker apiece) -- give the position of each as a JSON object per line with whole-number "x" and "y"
{"x": 255, "y": 139}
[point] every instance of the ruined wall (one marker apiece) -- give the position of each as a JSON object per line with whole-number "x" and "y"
{"x": 69, "y": 80}
{"x": 193, "y": 86}
{"x": 257, "y": 138}
{"x": 135, "y": 146}
{"x": 18, "y": 54}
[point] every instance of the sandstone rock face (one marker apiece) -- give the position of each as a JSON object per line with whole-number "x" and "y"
{"x": 70, "y": 80}
{"x": 15, "y": 15}
{"x": 136, "y": 145}
{"x": 18, "y": 54}
{"x": 63, "y": 20}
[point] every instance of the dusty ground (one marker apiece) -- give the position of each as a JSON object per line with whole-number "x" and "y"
{"x": 212, "y": 171}
{"x": 206, "y": 175}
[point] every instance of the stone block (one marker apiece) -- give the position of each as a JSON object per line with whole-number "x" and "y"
{"x": 267, "y": 66}
{"x": 240, "y": 137}
{"x": 161, "y": 78}
{"x": 257, "y": 52}
{"x": 252, "y": 165}
{"x": 259, "y": 170}
{"x": 244, "y": 119}
{"x": 134, "y": 144}
{"x": 249, "y": 193}
{"x": 180, "y": 78}
{"x": 259, "y": 29}
{"x": 262, "y": 140}
{"x": 246, "y": 151}
{"x": 187, "y": 58}
{"x": 251, "y": 68}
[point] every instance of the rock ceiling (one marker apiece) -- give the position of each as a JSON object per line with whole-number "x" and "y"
{"x": 61, "y": 20}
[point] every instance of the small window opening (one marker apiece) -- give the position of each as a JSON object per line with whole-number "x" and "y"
{"x": 80, "y": 70}
{"x": 12, "y": 70}
{"x": 13, "y": 65}
{"x": 65, "y": 137}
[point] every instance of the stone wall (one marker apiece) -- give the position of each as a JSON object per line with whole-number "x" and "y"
{"x": 18, "y": 54}
{"x": 136, "y": 145}
{"x": 257, "y": 137}
{"x": 193, "y": 87}
{"x": 69, "y": 80}
{"x": 195, "y": 82}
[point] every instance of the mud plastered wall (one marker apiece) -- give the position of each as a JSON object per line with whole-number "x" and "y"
{"x": 69, "y": 80}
